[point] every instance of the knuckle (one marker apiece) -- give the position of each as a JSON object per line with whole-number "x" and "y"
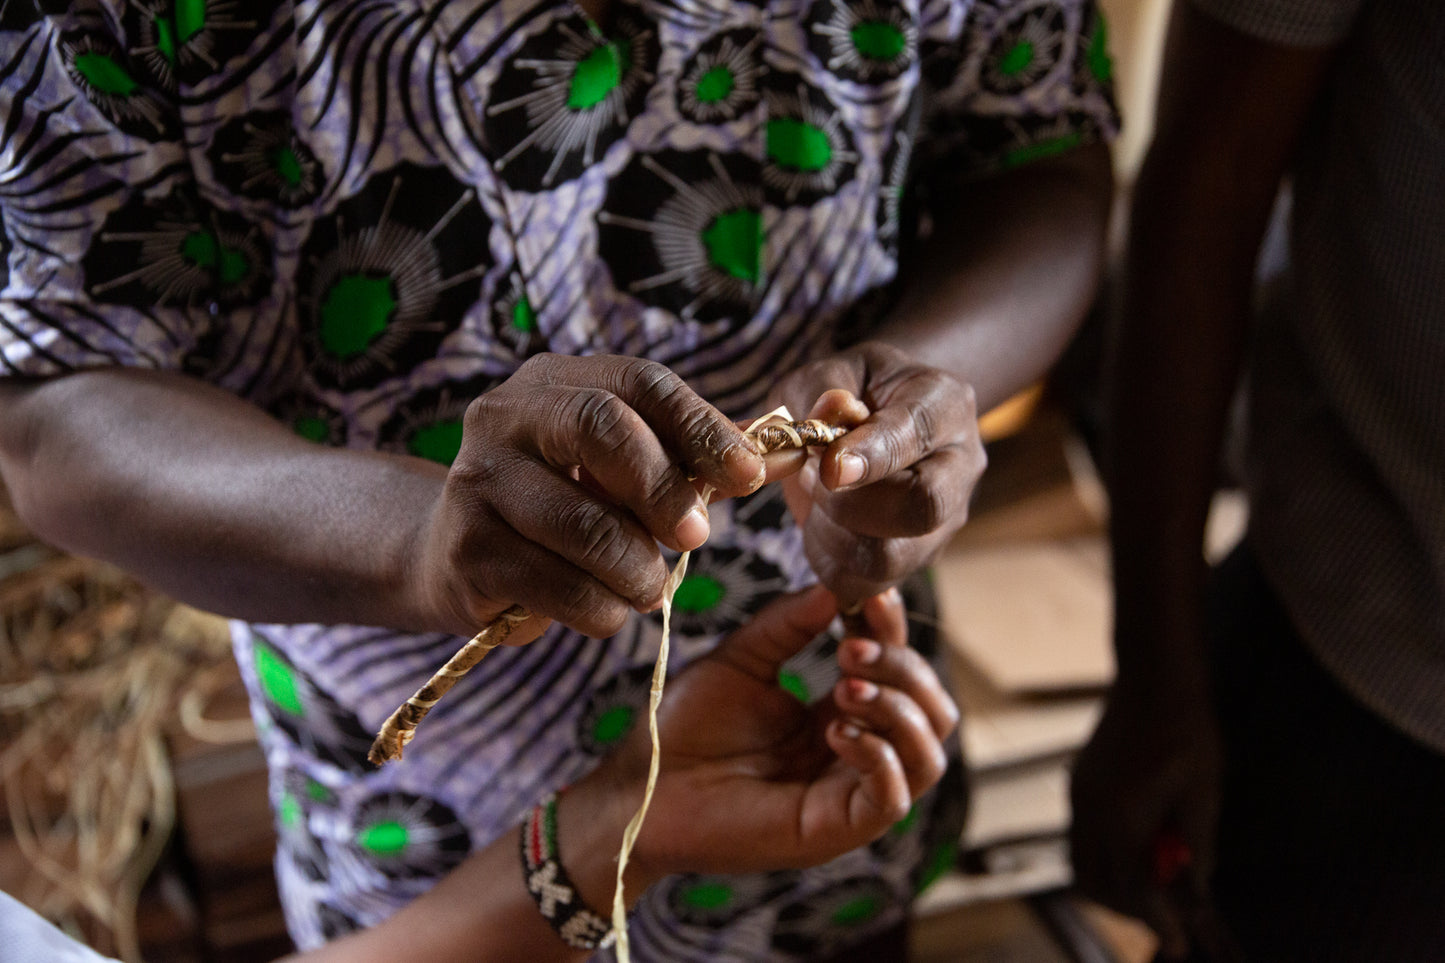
{"x": 924, "y": 420}
{"x": 594, "y": 536}
{"x": 929, "y": 507}
{"x": 968, "y": 398}
{"x": 879, "y": 559}
{"x": 907, "y": 664}
{"x": 537, "y": 368}
{"x": 898, "y": 807}
{"x": 481, "y": 414}
{"x": 585, "y": 605}
{"x": 657, "y": 389}
{"x": 952, "y": 715}
{"x": 651, "y": 382}
{"x": 473, "y": 476}
{"x": 978, "y": 463}
{"x": 697, "y": 423}
{"x": 600, "y": 416}
{"x": 664, "y": 489}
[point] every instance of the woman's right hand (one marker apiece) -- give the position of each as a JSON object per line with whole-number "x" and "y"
{"x": 569, "y": 474}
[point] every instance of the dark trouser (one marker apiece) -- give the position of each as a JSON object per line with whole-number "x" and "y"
{"x": 1332, "y": 835}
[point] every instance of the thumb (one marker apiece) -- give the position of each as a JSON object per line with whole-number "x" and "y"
{"x": 778, "y": 632}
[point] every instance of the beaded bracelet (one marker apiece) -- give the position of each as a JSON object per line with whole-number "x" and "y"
{"x": 556, "y": 896}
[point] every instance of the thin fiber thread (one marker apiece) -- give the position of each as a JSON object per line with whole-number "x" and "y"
{"x": 659, "y": 677}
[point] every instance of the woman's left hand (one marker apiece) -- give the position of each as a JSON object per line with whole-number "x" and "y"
{"x": 880, "y": 502}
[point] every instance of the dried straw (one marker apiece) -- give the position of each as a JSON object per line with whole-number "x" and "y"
{"x": 92, "y": 668}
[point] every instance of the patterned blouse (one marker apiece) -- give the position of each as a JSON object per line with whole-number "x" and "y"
{"x": 359, "y": 214}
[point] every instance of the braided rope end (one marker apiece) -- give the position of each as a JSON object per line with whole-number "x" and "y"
{"x": 396, "y": 732}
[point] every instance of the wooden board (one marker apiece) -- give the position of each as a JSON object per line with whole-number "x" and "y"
{"x": 1015, "y": 733}
{"x": 1030, "y": 616}
{"x": 1022, "y": 804}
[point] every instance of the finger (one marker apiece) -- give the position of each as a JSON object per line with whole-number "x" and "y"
{"x": 797, "y": 490}
{"x": 838, "y": 406}
{"x": 705, "y": 441}
{"x": 597, "y": 430}
{"x": 881, "y": 797}
{"x": 856, "y": 566}
{"x": 904, "y": 670}
{"x": 779, "y": 466}
{"x": 803, "y": 390}
{"x": 923, "y": 411}
{"x": 886, "y": 618}
{"x": 785, "y": 463}
{"x": 898, "y": 719}
{"x": 779, "y": 632}
{"x": 929, "y": 496}
{"x": 598, "y": 538}
{"x": 543, "y": 583}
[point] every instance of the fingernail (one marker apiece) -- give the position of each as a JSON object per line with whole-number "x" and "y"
{"x": 693, "y": 530}
{"x": 849, "y": 730}
{"x": 742, "y": 460}
{"x": 894, "y": 596}
{"x": 862, "y": 690}
{"x": 850, "y": 469}
{"x": 742, "y": 457}
{"x": 866, "y": 651}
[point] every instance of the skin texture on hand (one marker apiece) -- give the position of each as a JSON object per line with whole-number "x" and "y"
{"x": 517, "y": 525}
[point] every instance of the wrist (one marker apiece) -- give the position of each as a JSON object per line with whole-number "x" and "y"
{"x": 429, "y": 592}
{"x": 591, "y": 819}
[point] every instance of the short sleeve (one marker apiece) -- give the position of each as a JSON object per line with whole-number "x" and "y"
{"x": 1291, "y": 23}
{"x": 111, "y": 255}
{"x": 1016, "y": 81}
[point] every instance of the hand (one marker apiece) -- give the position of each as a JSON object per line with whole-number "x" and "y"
{"x": 883, "y": 500}
{"x": 753, "y": 780}
{"x": 569, "y": 474}
{"x": 1151, "y": 771}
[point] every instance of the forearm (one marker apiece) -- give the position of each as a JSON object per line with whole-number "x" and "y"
{"x": 210, "y": 500}
{"x": 483, "y": 913}
{"x": 1176, "y": 363}
{"x": 1201, "y": 206}
{"x": 1012, "y": 266}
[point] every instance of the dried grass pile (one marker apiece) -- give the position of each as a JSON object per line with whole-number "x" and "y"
{"x": 94, "y": 670}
